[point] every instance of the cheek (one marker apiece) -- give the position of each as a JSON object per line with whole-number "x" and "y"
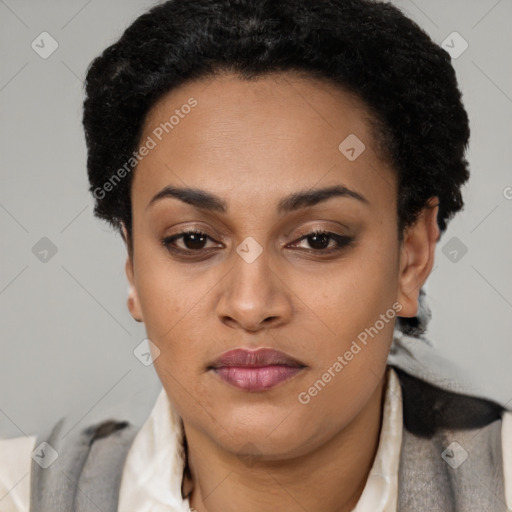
{"x": 356, "y": 303}
{"x": 173, "y": 323}
{"x": 165, "y": 300}
{"x": 168, "y": 291}
{"x": 352, "y": 295}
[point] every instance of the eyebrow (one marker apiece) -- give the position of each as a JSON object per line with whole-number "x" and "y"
{"x": 303, "y": 199}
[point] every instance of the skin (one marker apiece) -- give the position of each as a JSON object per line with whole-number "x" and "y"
{"x": 251, "y": 144}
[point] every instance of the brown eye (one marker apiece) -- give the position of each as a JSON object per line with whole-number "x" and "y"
{"x": 192, "y": 241}
{"x": 321, "y": 241}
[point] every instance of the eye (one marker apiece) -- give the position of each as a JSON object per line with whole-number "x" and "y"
{"x": 193, "y": 241}
{"x": 320, "y": 241}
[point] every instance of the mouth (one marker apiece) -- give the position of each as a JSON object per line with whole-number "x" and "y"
{"x": 256, "y": 370}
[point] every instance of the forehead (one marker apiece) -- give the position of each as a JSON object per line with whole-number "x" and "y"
{"x": 260, "y": 138}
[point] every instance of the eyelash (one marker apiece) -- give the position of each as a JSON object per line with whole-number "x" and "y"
{"x": 343, "y": 241}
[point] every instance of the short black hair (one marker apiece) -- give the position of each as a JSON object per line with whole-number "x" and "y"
{"x": 366, "y": 47}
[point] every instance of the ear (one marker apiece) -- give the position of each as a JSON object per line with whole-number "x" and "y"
{"x": 417, "y": 257}
{"x": 132, "y": 301}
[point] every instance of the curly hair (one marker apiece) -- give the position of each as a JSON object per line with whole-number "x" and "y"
{"x": 366, "y": 47}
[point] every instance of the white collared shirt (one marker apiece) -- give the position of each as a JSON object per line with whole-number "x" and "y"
{"x": 153, "y": 471}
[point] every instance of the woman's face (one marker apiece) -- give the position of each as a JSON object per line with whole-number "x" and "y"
{"x": 256, "y": 154}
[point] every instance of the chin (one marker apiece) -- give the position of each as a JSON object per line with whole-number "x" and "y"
{"x": 263, "y": 432}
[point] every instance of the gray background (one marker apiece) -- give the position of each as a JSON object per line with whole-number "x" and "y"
{"x": 67, "y": 339}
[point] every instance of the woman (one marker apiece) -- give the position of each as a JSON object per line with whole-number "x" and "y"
{"x": 280, "y": 173}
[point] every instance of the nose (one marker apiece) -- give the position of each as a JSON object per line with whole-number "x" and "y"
{"x": 254, "y": 297}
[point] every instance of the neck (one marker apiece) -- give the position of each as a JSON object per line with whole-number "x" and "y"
{"x": 330, "y": 478}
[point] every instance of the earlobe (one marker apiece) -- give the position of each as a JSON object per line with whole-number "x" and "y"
{"x": 417, "y": 257}
{"x": 132, "y": 301}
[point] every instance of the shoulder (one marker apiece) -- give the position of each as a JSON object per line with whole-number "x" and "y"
{"x": 92, "y": 459}
{"x": 506, "y": 437}
{"x": 32, "y": 464}
{"x": 15, "y": 464}
{"x": 462, "y": 442}
{"x": 428, "y": 409}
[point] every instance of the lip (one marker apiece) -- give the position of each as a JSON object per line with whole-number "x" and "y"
{"x": 256, "y": 370}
